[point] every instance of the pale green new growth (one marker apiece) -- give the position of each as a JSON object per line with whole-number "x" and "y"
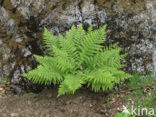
{"x": 79, "y": 58}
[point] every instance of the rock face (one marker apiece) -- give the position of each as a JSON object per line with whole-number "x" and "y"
{"x": 131, "y": 22}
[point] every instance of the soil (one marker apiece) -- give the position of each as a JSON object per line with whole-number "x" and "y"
{"x": 84, "y": 103}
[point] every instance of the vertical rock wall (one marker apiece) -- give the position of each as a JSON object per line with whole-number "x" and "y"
{"x": 131, "y": 22}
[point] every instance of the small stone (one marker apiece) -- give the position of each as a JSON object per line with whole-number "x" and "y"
{"x": 29, "y": 103}
{"x": 49, "y": 95}
{"x": 90, "y": 105}
{"x": 2, "y": 90}
{"x": 14, "y": 115}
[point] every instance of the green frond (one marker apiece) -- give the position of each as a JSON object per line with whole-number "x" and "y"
{"x": 109, "y": 56}
{"x": 70, "y": 84}
{"x": 44, "y": 60}
{"x": 90, "y": 29}
{"x": 76, "y": 35}
{"x": 91, "y": 44}
{"x": 69, "y": 46}
{"x": 44, "y": 74}
{"x": 63, "y": 61}
{"x": 50, "y": 40}
{"x": 105, "y": 78}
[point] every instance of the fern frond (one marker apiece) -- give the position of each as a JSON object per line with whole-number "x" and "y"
{"x": 91, "y": 44}
{"x": 68, "y": 46}
{"x": 109, "y": 56}
{"x": 70, "y": 84}
{"x": 63, "y": 61}
{"x": 50, "y": 40}
{"x": 46, "y": 72}
{"x": 76, "y": 35}
{"x": 104, "y": 78}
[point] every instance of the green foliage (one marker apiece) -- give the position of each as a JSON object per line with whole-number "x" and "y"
{"x": 27, "y": 95}
{"x": 138, "y": 80}
{"x": 140, "y": 97}
{"x": 79, "y": 58}
{"x": 5, "y": 81}
{"x": 123, "y": 115}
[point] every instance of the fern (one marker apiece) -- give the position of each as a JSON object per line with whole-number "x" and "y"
{"x": 79, "y": 58}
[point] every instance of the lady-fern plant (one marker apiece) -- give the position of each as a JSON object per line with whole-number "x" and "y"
{"x": 79, "y": 58}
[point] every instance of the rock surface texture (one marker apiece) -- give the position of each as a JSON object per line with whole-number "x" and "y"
{"x": 131, "y": 22}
